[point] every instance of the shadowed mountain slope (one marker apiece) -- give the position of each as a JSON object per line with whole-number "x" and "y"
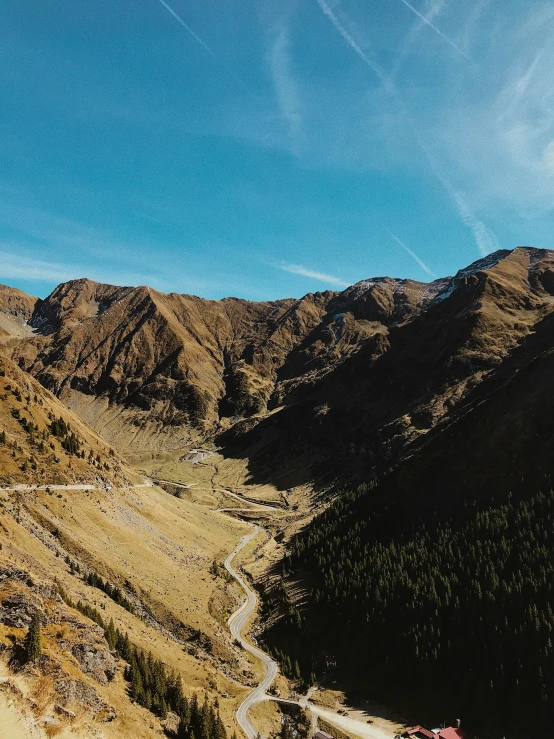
{"x": 416, "y": 377}
{"x": 440, "y": 565}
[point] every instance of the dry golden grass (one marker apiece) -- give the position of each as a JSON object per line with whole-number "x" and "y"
{"x": 38, "y": 457}
{"x": 42, "y": 693}
{"x": 333, "y": 730}
{"x": 27, "y": 710}
{"x": 213, "y": 472}
{"x": 164, "y": 546}
{"x": 331, "y": 699}
{"x": 54, "y": 730}
{"x": 161, "y": 547}
{"x": 266, "y": 717}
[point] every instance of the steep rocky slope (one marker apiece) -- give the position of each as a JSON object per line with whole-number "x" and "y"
{"x": 16, "y": 308}
{"x": 440, "y": 566}
{"x": 439, "y": 395}
{"x": 41, "y": 440}
{"x": 84, "y": 541}
{"x": 116, "y": 570}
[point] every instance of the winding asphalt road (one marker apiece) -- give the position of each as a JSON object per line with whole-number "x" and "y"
{"x": 236, "y": 623}
{"x": 248, "y": 501}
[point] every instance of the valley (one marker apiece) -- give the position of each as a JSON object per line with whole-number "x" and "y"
{"x": 241, "y": 518}
{"x": 103, "y": 547}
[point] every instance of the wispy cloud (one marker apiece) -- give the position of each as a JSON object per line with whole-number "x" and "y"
{"x": 437, "y": 30}
{"x": 412, "y": 253}
{"x": 485, "y": 239}
{"x": 351, "y": 42}
{"x": 526, "y": 120}
{"x": 499, "y": 134}
{"x": 38, "y": 225}
{"x": 30, "y": 232}
{"x": 471, "y": 22}
{"x": 17, "y": 266}
{"x": 519, "y": 88}
{"x": 286, "y": 87}
{"x": 298, "y": 269}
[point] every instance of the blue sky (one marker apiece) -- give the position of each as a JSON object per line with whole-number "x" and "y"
{"x": 268, "y": 149}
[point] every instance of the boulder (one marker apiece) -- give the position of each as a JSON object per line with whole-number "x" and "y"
{"x": 18, "y": 609}
{"x": 78, "y": 692}
{"x": 95, "y": 660}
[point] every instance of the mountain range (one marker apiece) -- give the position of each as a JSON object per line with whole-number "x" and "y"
{"x": 355, "y": 379}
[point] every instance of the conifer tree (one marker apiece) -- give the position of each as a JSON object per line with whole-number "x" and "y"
{"x": 111, "y": 635}
{"x": 33, "y": 646}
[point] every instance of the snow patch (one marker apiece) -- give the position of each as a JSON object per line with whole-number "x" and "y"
{"x": 445, "y": 293}
{"x": 535, "y": 255}
{"x": 366, "y": 284}
{"x": 399, "y": 287}
{"x": 482, "y": 264}
{"x": 435, "y": 288}
{"x": 479, "y": 266}
{"x": 41, "y": 323}
{"x": 102, "y": 307}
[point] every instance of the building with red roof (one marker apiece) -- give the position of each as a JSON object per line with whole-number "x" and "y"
{"x": 451, "y": 733}
{"x": 420, "y": 732}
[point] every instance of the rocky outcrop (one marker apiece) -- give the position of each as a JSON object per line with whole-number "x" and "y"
{"x": 21, "y": 597}
{"x": 18, "y": 609}
{"x": 96, "y": 660}
{"x": 17, "y": 304}
{"x": 77, "y": 692}
{"x": 16, "y": 309}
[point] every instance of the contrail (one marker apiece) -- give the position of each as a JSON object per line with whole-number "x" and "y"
{"x": 298, "y": 269}
{"x": 435, "y": 29}
{"x": 286, "y": 88}
{"x": 432, "y": 13}
{"x": 202, "y": 43}
{"x": 484, "y": 238}
{"x": 188, "y": 29}
{"x": 414, "y": 256}
{"x": 351, "y": 42}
